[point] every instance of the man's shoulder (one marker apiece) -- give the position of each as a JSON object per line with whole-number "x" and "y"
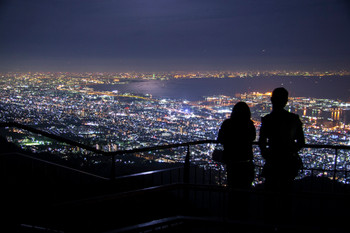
{"x": 267, "y": 117}
{"x": 273, "y": 115}
{"x": 226, "y": 123}
{"x": 293, "y": 116}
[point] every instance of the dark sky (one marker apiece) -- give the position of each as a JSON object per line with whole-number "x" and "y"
{"x": 173, "y": 35}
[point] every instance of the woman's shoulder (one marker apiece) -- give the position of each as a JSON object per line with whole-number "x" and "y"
{"x": 226, "y": 122}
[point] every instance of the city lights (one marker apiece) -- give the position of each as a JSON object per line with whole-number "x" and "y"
{"x": 64, "y": 104}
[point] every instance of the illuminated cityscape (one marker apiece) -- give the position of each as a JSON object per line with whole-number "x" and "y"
{"x": 66, "y": 104}
{"x": 110, "y": 113}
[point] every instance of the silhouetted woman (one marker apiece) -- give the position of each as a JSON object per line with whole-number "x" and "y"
{"x": 236, "y": 135}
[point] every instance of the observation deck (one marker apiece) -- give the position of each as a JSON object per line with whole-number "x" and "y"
{"x": 92, "y": 190}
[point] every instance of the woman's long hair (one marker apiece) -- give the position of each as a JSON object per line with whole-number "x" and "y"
{"x": 241, "y": 111}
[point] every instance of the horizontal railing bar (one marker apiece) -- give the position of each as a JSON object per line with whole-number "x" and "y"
{"x": 161, "y": 147}
{"x": 325, "y": 146}
{"x": 211, "y": 187}
{"x": 144, "y": 149}
{"x": 119, "y": 195}
{"x": 52, "y": 136}
{"x": 148, "y": 173}
{"x": 57, "y": 165}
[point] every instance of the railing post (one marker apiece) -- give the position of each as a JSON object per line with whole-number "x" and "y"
{"x": 113, "y": 168}
{"x": 335, "y": 164}
{"x": 187, "y": 166}
{"x": 186, "y": 191}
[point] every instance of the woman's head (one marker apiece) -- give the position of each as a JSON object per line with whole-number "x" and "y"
{"x": 241, "y": 111}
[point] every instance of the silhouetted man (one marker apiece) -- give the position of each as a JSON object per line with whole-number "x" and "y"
{"x": 281, "y": 137}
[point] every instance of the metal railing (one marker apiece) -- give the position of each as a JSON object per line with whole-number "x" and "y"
{"x": 187, "y": 145}
{"x": 213, "y": 200}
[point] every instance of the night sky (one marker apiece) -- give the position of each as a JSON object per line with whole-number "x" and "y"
{"x": 174, "y": 35}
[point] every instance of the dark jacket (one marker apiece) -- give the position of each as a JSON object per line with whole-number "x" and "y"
{"x": 237, "y": 136}
{"x": 281, "y": 134}
{"x": 281, "y": 137}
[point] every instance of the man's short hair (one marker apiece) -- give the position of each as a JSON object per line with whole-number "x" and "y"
{"x": 279, "y": 97}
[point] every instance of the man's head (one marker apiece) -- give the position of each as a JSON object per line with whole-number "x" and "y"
{"x": 279, "y": 98}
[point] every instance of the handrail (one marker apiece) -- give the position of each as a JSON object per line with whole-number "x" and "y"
{"x": 58, "y": 165}
{"x": 97, "y": 151}
{"x": 52, "y": 136}
{"x": 143, "y": 149}
{"x": 325, "y": 146}
{"x": 160, "y": 147}
{"x": 152, "y": 148}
